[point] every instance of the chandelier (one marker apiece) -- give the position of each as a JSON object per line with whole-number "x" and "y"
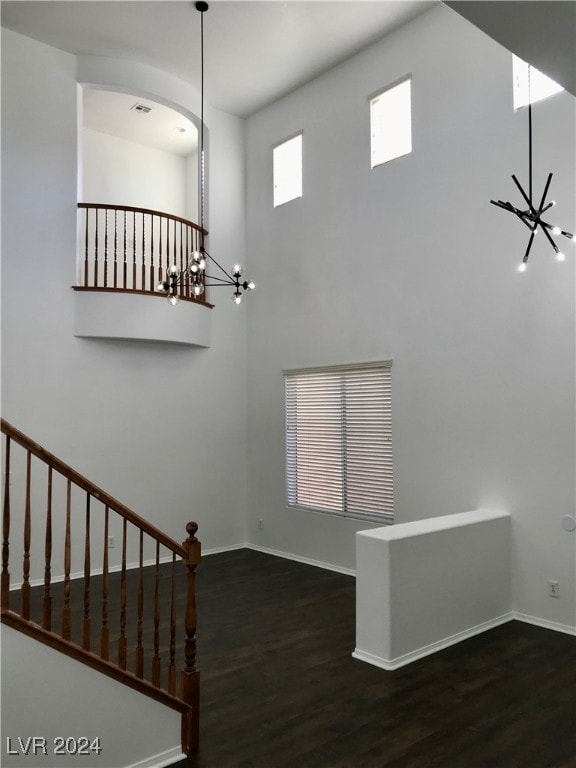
{"x": 194, "y": 273}
{"x": 532, "y": 215}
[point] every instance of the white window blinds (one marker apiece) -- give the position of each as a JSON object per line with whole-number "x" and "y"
{"x": 339, "y": 439}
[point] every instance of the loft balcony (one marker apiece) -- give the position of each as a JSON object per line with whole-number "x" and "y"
{"x": 123, "y": 253}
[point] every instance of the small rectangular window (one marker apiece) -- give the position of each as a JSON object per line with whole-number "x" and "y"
{"x": 339, "y": 440}
{"x": 287, "y": 170}
{"x": 391, "y": 123}
{"x": 530, "y": 85}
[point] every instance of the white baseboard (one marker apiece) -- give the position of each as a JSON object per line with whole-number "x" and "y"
{"x": 169, "y": 757}
{"x": 427, "y": 650}
{"x": 300, "y": 559}
{"x": 219, "y": 550}
{"x": 544, "y": 623}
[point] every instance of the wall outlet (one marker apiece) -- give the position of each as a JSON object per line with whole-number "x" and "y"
{"x": 260, "y": 524}
{"x": 553, "y": 589}
{"x": 111, "y": 542}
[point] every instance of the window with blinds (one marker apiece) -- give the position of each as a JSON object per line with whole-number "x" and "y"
{"x": 339, "y": 440}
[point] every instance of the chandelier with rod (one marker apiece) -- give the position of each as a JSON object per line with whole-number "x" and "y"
{"x": 195, "y": 269}
{"x": 532, "y": 215}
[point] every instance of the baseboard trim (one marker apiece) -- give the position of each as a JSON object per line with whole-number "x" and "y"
{"x": 300, "y": 559}
{"x": 544, "y": 623}
{"x": 428, "y": 650}
{"x": 219, "y": 550}
{"x": 168, "y": 757}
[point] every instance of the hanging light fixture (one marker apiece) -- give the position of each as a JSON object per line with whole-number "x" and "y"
{"x": 195, "y": 269}
{"x": 532, "y": 215}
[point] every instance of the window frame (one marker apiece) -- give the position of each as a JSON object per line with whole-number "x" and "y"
{"x": 277, "y": 145}
{"x": 344, "y": 448}
{"x": 373, "y": 127}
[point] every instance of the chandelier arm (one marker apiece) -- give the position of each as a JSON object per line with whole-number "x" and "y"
{"x": 530, "y": 241}
{"x": 220, "y": 267}
{"x": 524, "y": 194}
{"x": 546, "y": 187}
{"x": 552, "y": 243}
{"x": 220, "y": 280}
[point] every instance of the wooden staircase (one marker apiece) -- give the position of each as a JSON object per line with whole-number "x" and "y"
{"x": 57, "y": 512}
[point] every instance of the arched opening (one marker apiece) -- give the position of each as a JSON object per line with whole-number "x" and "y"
{"x": 137, "y": 152}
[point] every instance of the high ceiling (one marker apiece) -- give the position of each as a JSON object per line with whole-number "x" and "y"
{"x": 255, "y": 51}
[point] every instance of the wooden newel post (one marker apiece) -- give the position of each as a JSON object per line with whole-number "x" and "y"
{"x": 190, "y": 675}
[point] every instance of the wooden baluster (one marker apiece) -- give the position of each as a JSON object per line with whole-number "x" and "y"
{"x": 122, "y": 638}
{"x": 152, "y": 283}
{"x": 95, "y": 277}
{"x": 187, "y": 259}
{"x": 179, "y": 289}
{"x": 105, "y": 247}
{"x": 47, "y": 601}
{"x": 139, "y": 631}
{"x": 190, "y": 675}
{"x": 25, "y": 589}
{"x": 6, "y": 531}
{"x": 86, "y": 619}
{"x": 156, "y": 658}
{"x": 143, "y": 286}
{"x": 168, "y": 265}
{"x": 160, "y": 266}
{"x": 172, "y": 665}
{"x": 115, "y": 248}
{"x": 105, "y": 631}
{"x": 125, "y": 263}
{"x": 134, "y": 251}
{"x": 86, "y": 250}
{"x": 182, "y": 289}
{"x": 67, "y": 562}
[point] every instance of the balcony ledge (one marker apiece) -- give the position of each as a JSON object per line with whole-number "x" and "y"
{"x": 109, "y": 313}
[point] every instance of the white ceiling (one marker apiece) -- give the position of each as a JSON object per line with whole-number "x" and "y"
{"x": 162, "y": 128}
{"x": 255, "y": 51}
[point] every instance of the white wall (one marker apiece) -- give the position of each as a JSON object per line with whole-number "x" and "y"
{"x": 160, "y": 427}
{"x": 118, "y": 171}
{"x": 410, "y": 261}
{"x": 83, "y": 709}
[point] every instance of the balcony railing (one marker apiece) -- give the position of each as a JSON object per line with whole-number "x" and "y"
{"x": 122, "y": 248}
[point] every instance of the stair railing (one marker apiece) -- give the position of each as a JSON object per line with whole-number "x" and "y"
{"x": 122, "y": 248}
{"x": 55, "y": 512}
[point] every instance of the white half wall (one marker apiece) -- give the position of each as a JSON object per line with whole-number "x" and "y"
{"x": 424, "y": 585}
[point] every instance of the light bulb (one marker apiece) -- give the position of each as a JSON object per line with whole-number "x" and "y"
{"x": 173, "y": 299}
{"x": 556, "y": 231}
{"x": 560, "y": 256}
{"x": 236, "y": 270}
{"x": 193, "y": 268}
{"x": 250, "y": 285}
{"x": 573, "y": 238}
{"x": 173, "y": 270}
{"x": 198, "y": 289}
{"x": 237, "y": 297}
{"x": 202, "y": 262}
{"x": 552, "y": 203}
{"x": 162, "y": 286}
{"x": 522, "y": 267}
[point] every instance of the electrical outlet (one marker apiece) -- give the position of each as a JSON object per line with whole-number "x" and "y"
{"x": 111, "y": 542}
{"x": 553, "y": 589}
{"x": 260, "y": 524}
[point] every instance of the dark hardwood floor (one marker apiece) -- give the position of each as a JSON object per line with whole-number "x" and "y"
{"x": 280, "y": 689}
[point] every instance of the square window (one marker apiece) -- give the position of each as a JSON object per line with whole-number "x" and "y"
{"x": 530, "y": 85}
{"x": 287, "y": 170}
{"x": 391, "y": 123}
